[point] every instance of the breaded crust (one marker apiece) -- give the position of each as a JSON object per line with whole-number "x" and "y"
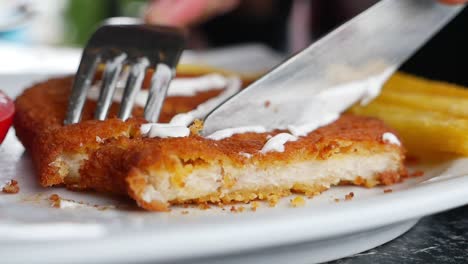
{"x": 39, "y": 116}
{"x": 122, "y": 164}
{"x": 113, "y": 156}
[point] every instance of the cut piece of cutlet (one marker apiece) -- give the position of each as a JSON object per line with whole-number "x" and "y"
{"x": 112, "y": 155}
{"x": 57, "y": 150}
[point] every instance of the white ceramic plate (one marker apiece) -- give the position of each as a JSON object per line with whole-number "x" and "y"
{"x": 113, "y": 230}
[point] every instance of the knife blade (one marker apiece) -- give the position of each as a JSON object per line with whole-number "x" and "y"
{"x": 363, "y": 52}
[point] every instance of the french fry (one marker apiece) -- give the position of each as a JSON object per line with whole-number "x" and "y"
{"x": 452, "y": 106}
{"x": 421, "y": 130}
{"x": 192, "y": 69}
{"x": 430, "y": 116}
{"x": 405, "y": 83}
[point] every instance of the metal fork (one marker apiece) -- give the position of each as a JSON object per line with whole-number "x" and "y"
{"x": 138, "y": 47}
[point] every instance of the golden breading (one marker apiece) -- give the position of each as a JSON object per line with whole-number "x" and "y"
{"x": 112, "y": 156}
{"x": 39, "y": 116}
{"x": 116, "y": 166}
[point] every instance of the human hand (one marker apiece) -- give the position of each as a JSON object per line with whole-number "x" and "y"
{"x": 184, "y": 13}
{"x": 453, "y": 2}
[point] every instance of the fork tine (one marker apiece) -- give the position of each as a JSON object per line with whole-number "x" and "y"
{"x": 158, "y": 90}
{"x": 109, "y": 81}
{"x": 133, "y": 85}
{"x": 82, "y": 82}
{"x": 161, "y": 46}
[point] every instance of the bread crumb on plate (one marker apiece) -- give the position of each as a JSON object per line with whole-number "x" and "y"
{"x": 297, "y": 202}
{"x": 349, "y": 196}
{"x": 11, "y": 187}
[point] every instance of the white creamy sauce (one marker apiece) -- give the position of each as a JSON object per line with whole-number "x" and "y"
{"x": 192, "y": 86}
{"x": 332, "y": 103}
{"x": 343, "y": 96}
{"x": 178, "y": 126}
{"x": 303, "y": 130}
{"x": 164, "y": 130}
{"x": 374, "y": 86}
{"x": 390, "y": 138}
{"x": 328, "y": 104}
{"x": 277, "y": 142}
{"x": 183, "y": 120}
{"x": 228, "y": 132}
{"x": 178, "y": 87}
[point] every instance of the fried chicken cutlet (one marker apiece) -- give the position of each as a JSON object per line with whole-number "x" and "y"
{"x": 114, "y": 156}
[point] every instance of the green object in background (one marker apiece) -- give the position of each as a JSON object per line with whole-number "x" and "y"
{"x": 82, "y": 17}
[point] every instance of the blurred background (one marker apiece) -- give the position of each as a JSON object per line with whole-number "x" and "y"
{"x": 70, "y": 22}
{"x": 285, "y": 26}
{"x": 60, "y": 22}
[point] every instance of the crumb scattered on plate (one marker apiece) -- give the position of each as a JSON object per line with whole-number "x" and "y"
{"x": 387, "y": 190}
{"x": 238, "y": 209}
{"x": 58, "y": 202}
{"x": 297, "y": 202}
{"x": 368, "y": 183}
{"x": 204, "y": 206}
{"x": 254, "y": 206}
{"x": 11, "y": 187}
{"x": 273, "y": 200}
{"x": 55, "y": 200}
{"x": 349, "y": 196}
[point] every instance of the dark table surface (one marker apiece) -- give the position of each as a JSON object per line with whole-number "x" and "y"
{"x": 441, "y": 238}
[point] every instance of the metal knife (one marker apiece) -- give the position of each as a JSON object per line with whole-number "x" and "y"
{"x": 371, "y": 46}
